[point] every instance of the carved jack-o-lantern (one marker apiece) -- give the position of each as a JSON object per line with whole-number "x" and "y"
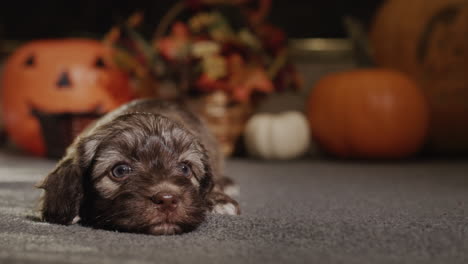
{"x": 52, "y": 89}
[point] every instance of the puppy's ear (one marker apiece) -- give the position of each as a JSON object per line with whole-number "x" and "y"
{"x": 63, "y": 193}
{"x": 207, "y": 182}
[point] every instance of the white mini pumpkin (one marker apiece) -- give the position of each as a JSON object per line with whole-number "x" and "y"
{"x": 277, "y": 136}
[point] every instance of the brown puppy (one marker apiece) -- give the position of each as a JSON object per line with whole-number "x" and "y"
{"x": 147, "y": 167}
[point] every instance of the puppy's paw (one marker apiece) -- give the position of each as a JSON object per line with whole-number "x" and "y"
{"x": 226, "y": 209}
{"x": 228, "y": 186}
{"x": 76, "y": 220}
{"x": 232, "y": 190}
{"x": 223, "y": 204}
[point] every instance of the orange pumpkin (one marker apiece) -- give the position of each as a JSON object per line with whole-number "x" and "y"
{"x": 51, "y": 89}
{"x": 369, "y": 113}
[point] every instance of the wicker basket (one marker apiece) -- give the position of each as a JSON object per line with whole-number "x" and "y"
{"x": 225, "y": 119}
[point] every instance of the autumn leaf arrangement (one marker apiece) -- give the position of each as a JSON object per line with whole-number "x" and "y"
{"x": 206, "y": 46}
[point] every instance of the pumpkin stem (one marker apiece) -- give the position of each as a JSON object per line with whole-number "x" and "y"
{"x": 361, "y": 46}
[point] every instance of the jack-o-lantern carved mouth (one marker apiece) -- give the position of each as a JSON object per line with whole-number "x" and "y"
{"x": 59, "y": 129}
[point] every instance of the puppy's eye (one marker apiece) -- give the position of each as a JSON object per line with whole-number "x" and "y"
{"x": 185, "y": 170}
{"x": 121, "y": 171}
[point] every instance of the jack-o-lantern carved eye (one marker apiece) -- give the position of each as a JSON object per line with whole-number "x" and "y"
{"x": 30, "y": 61}
{"x": 100, "y": 63}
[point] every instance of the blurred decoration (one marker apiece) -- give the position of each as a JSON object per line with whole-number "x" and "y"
{"x": 281, "y": 136}
{"x": 7, "y": 47}
{"x": 225, "y": 119}
{"x": 51, "y": 89}
{"x": 134, "y": 55}
{"x": 428, "y": 39}
{"x": 219, "y": 55}
{"x": 368, "y": 113}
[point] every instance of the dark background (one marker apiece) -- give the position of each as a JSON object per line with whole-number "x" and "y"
{"x": 23, "y": 20}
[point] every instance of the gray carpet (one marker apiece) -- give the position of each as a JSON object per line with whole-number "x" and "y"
{"x": 307, "y": 211}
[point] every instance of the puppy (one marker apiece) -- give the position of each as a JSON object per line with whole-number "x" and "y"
{"x": 147, "y": 167}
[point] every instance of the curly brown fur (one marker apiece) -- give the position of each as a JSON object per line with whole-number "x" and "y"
{"x": 170, "y": 163}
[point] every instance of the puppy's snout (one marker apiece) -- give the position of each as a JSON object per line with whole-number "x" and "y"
{"x": 166, "y": 201}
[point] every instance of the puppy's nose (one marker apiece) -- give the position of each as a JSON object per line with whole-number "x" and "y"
{"x": 165, "y": 201}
